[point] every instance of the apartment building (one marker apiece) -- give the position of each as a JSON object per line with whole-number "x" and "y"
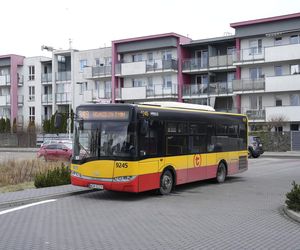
{"x": 256, "y": 72}
{"x": 268, "y": 76}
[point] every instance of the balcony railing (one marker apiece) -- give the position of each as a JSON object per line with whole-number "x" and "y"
{"x": 143, "y": 92}
{"x": 256, "y": 114}
{"x": 63, "y": 76}
{"x": 249, "y": 84}
{"x": 101, "y": 71}
{"x": 194, "y": 64}
{"x": 221, "y": 61}
{"x": 143, "y": 67}
{"x": 47, "y": 77}
{"x": 4, "y": 80}
{"x": 249, "y": 54}
{"x": 47, "y": 99}
{"x": 62, "y": 98}
{"x": 217, "y": 88}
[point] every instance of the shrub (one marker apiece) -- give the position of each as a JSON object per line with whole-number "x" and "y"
{"x": 53, "y": 177}
{"x": 293, "y": 198}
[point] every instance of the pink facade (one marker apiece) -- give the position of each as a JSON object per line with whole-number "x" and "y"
{"x": 15, "y": 62}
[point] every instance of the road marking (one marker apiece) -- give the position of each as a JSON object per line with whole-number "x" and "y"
{"x": 26, "y": 206}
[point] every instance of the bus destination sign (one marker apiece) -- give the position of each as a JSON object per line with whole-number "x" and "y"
{"x": 103, "y": 115}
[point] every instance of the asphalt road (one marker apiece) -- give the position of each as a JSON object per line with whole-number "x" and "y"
{"x": 243, "y": 213}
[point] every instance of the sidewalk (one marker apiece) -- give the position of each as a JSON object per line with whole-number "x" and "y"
{"x": 287, "y": 154}
{"x": 33, "y": 195}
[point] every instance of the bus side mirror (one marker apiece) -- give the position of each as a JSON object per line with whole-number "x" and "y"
{"x": 143, "y": 127}
{"x": 57, "y": 121}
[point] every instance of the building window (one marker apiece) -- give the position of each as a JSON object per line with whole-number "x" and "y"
{"x": 167, "y": 55}
{"x": 82, "y": 64}
{"x": 31, "y": 73}
{"x": 294, "y": 127}
{"x": 278, "y": 102}
{"x": 107, "y": 89}
{"x": 255, "y": 47}
{"x": 97, "y": 61}
{"x": 150, "y": 56}
{"x": 107, "y": 61}
{"x": 294, "y": 39}
{"x": 295, "y": 99}
{"x": 278, "y": 41}
{"x": 295, "y": 69}
{"x": 255, "y": 73}
{"x": 137, "y": 83}
{"x": 255, "y": 102}
{"x": 31, "y": 114}
{"x": 137, "y": 58}
{"x": 278, "y": 70}
{"x": 31, "y": 93}
{"x": 167, "y": 81}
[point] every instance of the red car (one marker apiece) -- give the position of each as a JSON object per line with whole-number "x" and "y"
{"x": 54, "y": 152}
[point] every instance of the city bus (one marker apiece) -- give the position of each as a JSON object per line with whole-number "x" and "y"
{"x": 155, "y": 146}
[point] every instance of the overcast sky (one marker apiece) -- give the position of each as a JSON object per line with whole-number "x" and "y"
{"x": 26, "y": 25}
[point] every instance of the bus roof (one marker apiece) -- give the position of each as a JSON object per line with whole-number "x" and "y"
{"x": 179, "y": 105}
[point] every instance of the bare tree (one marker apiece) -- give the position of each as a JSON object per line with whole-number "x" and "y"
{"x": 276, "y": 121}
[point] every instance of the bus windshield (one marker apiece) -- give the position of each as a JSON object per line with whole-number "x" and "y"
{"x": 104, "y": 139}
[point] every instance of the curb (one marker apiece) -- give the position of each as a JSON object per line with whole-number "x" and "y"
{"x": 290, "y": 213}
{"x": 280, "y": 156}
{"x": 25, "y": 201}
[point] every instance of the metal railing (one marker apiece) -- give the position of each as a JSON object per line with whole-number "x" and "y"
{"x": 63, "y": 76}
{"x": 256, "y": 114}
{"x": 249, "y": 84}
{"x": 101, "y": 71}
{"x": 216, "y": 88}
{"x": 63, "y": 97}
{"x": 47, "y": 98}
{"x": 249, "y": 54}
{"x": 155, "y": 91}
{"x": 47, "y": 77}
{"x": 194, "y": 64}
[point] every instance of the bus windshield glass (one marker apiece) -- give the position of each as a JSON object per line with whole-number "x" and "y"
{"x": 104, "y": 139}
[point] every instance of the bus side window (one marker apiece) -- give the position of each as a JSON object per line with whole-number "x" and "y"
{"x": 149, "y": 140}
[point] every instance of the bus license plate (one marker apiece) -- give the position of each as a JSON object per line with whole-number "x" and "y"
{"x": 95, "y": 186}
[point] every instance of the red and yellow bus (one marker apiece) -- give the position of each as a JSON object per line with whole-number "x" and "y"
{"x": 140, "y": 147}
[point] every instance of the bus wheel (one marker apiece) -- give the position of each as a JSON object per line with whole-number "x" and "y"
{"x": 221, "y": 173}
{"x": 166, "y": 182}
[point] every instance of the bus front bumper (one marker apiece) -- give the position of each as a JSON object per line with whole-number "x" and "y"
{"x": 109, "y": 184}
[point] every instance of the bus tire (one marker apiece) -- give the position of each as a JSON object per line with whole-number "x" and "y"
{"x": 221, "y": 172}
{"x": 166, "y": 182}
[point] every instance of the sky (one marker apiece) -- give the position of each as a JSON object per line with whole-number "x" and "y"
{"x": 26, "y": 25}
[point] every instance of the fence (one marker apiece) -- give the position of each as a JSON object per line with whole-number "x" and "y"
{"x": 20, "y": 139}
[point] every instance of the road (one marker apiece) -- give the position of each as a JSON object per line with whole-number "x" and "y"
{"x": 243, "y": 213}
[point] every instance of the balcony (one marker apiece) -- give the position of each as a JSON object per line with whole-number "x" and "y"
{"x": 5, "y": 80}
{"x": 63, "y": 98}
{"x": 4, "y": 100}
{"x": 249, "y": 55}
{"x": 248, "y": 85}
{"x": 282, "y": 53}
{"x": 146, "y": 92}
{"x": 46, "y": 78}
{"x": 63, "y": 76}
{"x": 47, "y": 99}
{"x": 283, "y": 83}
{"x": 256, "y": 114}
{"x": 146, "y": 67}
{"x": 223, "y": 61}
{"x": 99, "y": 96}
{"x": 97, "y": 72}
{"x": 20, "y": 100}
{"x": 288, "y": 113}
{"x": 200, "y": 90}
{"x": 194, "y": 64}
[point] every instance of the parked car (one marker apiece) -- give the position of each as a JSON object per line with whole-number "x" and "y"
{"x": 255, "y": 147}
{"x": 54, "y": 152}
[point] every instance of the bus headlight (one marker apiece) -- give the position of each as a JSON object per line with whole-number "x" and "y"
{"x": 123, "y": 178}
{"x": 76, "y": 174}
